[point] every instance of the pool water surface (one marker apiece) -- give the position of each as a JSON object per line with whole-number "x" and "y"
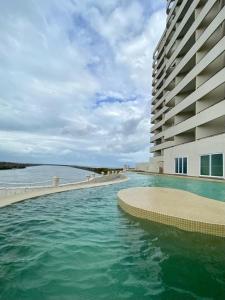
{"x": 79, "y": 245}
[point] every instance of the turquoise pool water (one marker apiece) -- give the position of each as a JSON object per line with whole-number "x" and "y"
{"x": 79, "y": 245}
{"x": 210, "y": 189}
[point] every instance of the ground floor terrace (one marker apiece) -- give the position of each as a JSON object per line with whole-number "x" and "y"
{"x": 200, "y": 158}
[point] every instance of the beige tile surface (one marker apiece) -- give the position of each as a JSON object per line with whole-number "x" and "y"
{"x": 178, "y": 208}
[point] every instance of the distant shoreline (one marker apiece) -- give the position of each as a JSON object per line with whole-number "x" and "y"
{"x": 13, "y": 165}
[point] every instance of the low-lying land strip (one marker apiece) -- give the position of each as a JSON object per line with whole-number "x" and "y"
{"x": 98, "y": 170}
{"x": 12, "y": 165}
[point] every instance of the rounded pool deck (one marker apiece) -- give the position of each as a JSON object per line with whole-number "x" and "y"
{"x": 178, "y": 208}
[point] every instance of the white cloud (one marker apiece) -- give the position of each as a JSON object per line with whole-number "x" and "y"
{"x": 123, "y": 23}
{"x": 75, "y": 80}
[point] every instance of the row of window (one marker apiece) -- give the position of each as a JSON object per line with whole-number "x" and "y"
{"x": 210, "y": 165}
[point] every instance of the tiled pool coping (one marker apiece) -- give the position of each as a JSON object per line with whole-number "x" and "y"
{"x": 177, "y": 208}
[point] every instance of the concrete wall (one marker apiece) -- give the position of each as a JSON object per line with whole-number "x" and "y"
{"x": 155, "y": 165}
{"x": 193, "y": 150}
{"x": 142, "y": 167}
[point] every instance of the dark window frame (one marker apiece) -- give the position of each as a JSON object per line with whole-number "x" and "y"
{"x": 181, "y": 165}
{"x": 210, "y": 155}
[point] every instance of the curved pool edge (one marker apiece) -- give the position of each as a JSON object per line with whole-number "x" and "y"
{"x": 191, "y": 213}
{"x": 181, "y": 176}
{"x": 6, "y": 201}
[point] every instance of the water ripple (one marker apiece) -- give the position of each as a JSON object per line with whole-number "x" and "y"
{"x": 80, "y": 245}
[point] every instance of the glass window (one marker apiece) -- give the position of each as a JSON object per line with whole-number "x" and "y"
{"x": 176, "y": 165}
{"x": 205, "y": 165}
{"x": 185, "y": 165}
{"x": 180, "y": 165}
{"x": 217, "y": 165}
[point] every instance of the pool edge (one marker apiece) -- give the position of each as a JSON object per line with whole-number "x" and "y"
{"x": 175, "y": 221}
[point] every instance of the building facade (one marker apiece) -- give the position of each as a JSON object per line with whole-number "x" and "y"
{"x": 188, "y": 90}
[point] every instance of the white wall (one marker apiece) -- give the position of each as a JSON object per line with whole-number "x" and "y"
{"x": 192, "y": 151}
{"x": 153, "y": 166}
{"x": 142, "y": 167}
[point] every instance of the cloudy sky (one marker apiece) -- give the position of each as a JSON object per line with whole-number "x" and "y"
{"x": 75, "y": 80}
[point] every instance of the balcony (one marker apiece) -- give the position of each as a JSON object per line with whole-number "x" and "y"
{"x": 208, "y": 115}
{"x": 163, "y": 146}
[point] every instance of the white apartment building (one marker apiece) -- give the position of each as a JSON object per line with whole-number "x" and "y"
{"x": 188, "y": 103}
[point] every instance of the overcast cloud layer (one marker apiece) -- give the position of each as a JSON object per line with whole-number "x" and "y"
{"x": 75, "y": 79}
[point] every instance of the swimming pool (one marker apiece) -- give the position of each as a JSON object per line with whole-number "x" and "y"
{"x": 80, "y": 245}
